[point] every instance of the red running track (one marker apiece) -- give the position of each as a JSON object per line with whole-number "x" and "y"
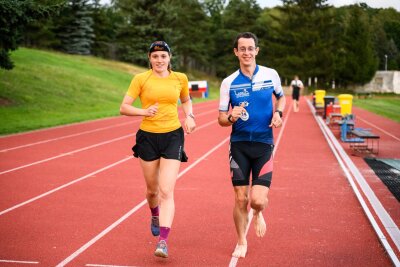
{"x": 74, "y": 196}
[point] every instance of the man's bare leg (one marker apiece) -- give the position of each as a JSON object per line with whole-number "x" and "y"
{"x": 240, "y": 217}
{"x": 295, "y": 106}
{"x": 259, "y": 223}
{"x": 259, "y": 200}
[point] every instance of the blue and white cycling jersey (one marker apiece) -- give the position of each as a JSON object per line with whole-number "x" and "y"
{"x": 256, "y": 95}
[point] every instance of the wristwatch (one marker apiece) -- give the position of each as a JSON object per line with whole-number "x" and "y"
{"x": 230, "y": 118}
{"x": 280, "y": 113}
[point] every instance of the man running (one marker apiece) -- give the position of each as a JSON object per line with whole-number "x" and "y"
{"x": 248, "y": 93}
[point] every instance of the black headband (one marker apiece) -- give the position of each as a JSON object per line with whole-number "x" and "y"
{"x": 159, "y": 46}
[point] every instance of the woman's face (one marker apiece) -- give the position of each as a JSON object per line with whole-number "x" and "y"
{"x": 159, "y": 61}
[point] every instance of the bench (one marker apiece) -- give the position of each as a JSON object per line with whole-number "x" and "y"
{"x": 364, "y": 95}
{"x": 370, "y": 140}
{"x": 346, "y": 127}
{"x": 334, "y": 119}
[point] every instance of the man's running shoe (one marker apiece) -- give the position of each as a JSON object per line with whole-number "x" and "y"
{"x": 161, "y": 250}
{"x": 155, "y": 226}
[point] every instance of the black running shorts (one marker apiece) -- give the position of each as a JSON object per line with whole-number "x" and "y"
{"x": 151, "y": 146}
{"x": 254, "y": 157}
{"x": 296, "y": 93}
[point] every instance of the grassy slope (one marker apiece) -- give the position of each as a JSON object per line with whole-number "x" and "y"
{"x": 47, "y": 89}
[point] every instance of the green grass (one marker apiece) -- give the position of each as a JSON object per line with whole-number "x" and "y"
{"x": 387, "y": 105}
{"x": 49, "y": 88}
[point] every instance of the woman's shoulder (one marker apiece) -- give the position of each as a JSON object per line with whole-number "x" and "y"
{"x": 179, "y": 74}
{"x": 144, "y": 74}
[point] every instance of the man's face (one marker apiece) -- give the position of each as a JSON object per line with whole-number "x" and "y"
{"x": 246, "y": 51}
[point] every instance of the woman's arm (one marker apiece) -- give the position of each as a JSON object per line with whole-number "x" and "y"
{"x": 187, "y": 107}
{"x": 127, "y": 109}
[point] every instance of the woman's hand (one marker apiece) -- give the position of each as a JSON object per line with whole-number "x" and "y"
{"x": 189, "y": 124}
{"x": 151, "y": 111}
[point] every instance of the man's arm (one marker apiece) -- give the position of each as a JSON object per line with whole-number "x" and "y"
{"x": 280, "y": 103}
{"x": 276, "y": 117}
{"x": 225, "y": 119}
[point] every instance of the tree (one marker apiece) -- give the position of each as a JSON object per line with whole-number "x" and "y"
{"x": 214, "y": 9}
{"x": 14, "y": 17}
{"x": 389, "y": 27}
{"x": 106, "y": 20}
{"x": 238, "y": 16}
{"x": 302, "y": 44}
{"x": 75, "y": 30}
{"x": 359, "y": 61}
{"x": 145, "y": 21}
{"x": 191, "y": 45}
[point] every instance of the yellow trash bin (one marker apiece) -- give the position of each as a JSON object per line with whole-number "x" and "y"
{"x": 319, "y": 98}
{"x": 345, "y": 102}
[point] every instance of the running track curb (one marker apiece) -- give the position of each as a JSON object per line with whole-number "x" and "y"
{"x": 385, "y": 218}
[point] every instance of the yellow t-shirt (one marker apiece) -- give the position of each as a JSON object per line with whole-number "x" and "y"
{"x": 164, "y": 91}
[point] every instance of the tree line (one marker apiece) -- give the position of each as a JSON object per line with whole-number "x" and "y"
{"x": 308, "y": 38}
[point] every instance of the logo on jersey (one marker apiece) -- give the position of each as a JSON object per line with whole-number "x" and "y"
{"x": 243, "y": 93}
{"x": 263, "y": 85}
{"x": 245, "y": 115}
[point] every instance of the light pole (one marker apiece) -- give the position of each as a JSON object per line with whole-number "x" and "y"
{"x": 385, "y": 62}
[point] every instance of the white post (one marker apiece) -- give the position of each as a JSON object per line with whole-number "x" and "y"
{"x": 385, "y": 62}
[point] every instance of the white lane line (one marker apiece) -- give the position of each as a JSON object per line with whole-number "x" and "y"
{"x": 233, "y": 262}
{"x": 201, "y": 105}
{"x": 380, "y": 129}
{"x": 20, "y": 262}
{"x": 66, "y": 154}
{"x": 57, "y": 127}
{"x": 132, "y": 211}
{"x": 64, "y": 137}
{"x": 80, "y": 179}
{"x": 108, "y": 265}
{"x": 385, "y": 218}
{"x": 64, "y": 186}
{"x": 74, "y": 135}
{"x": 80, "y": 150}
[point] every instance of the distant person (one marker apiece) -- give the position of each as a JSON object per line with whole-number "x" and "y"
{"x": 160, "y": 139}
{"x": 247, "y": 94}
{"x": 296, "y": 86}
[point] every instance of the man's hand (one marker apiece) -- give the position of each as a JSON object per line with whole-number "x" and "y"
{"x": 237, "y": 112}
{"x": 276, "y": 120}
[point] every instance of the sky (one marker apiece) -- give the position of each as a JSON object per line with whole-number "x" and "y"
{"x": 337, "y": 3}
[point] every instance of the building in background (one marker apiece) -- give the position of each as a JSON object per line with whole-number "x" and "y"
{"x": 383, "y": 82}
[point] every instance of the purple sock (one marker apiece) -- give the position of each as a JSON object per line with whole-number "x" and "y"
{"x": 164, "y": 231}
{"x": 155, "y": 211}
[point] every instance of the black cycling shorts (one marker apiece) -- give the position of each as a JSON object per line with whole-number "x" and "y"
{"x": 151, "y": 146}
{"x": 254, "y": 157}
